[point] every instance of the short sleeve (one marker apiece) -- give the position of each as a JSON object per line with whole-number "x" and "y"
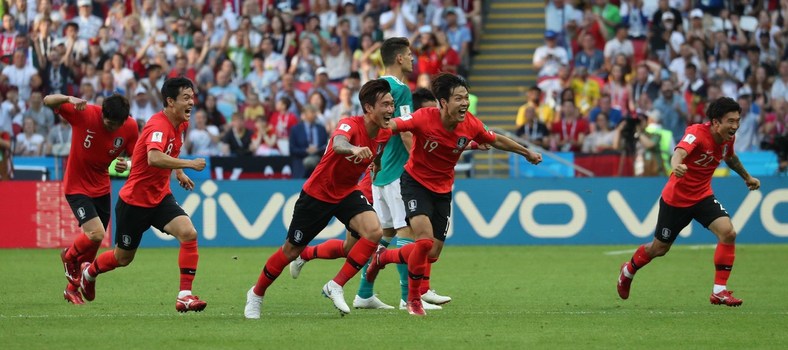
{"x": 155, "y": 138}
{"x": 133, "y": 135}
{"x": 407, "y": 122}
{"x": 689, "y": 141}
{"x": 483, "y": 135}
{"x": 345, "y": 128}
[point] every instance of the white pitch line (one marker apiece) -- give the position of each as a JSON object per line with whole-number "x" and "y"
{"x": 690, "y": 247}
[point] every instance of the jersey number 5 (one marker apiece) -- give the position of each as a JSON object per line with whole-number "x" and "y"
{"x": 87, "y": 143}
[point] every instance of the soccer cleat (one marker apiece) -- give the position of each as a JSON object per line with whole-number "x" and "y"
{"x": 296, "y": 266}
{"x": 434, "y": 298}
{"x": 370, "y": 303}
{"x": 335, "y": 292}
{"x": 415, "y": 308}
{"x": 71, "y": 267}
{"x": 374, "y": 265}
{"x": 87, "y": 287}
{"x": 624, "y": 283}
{"x": 724, "y": 298}
{"x": 254, "y": 303}
{"x": 427, "y": 306}
{"x": 73, "y": 297}
{"x": 190, "y": 303}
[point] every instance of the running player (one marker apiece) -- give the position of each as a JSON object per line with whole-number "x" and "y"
{"x": 100, "y": 134}
{"x": 331, "y": 191}
{"x": 688, "y": 196}
{"x": 146, "y": 199}
{"x": 439, "y": 137}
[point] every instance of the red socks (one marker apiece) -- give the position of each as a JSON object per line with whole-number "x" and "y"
{"x": 187, "y": 261}
{"x": 83, "y": 249}
{"x": 425, "y": 282}
{"x": 397, "y": 256}
{"x": 330, "y": 249}
{"x": 417, "y": 262}
{"x": 723, "y": 262}
{"x": 639, "y": 259}
{"x": 356, "y": 258}
{"x": 104, "y": 263}
{"x": 273, "y": 268}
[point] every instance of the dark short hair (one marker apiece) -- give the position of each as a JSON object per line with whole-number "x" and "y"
{"x": 391, "y": 48}
{"x": 722, "y": 106}
{"x": 444, "y": 84}
{"x": 172, "y": 88}
{"x": 372, "y": 91}
{"x": 420, "y": 96}
{"x": 115, "y": 108}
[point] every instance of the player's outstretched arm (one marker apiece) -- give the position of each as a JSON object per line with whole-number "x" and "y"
{"x": 506, "y": 144}
{"x": 55, "y": 100}
{"x": 677, "y": 162}
{"x": 160, "y": 160}
{"x": 343, "y": 146}
{"x": 735, "y": 164}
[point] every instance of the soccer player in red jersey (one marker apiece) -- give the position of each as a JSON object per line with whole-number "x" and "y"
{"x": 688, "y": 196}
{"x": 146, "y": 199}
{"x": 439, "y": 137}
{"x": 99, "y": 135}
{"x": 332, "y": 191}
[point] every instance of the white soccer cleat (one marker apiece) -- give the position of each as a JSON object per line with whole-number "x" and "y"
{"x": 335, "y": 292}
{"x": 427, "y": 306}
{"x": 254, "y": 303}
{"x": 296, "y": 266}
{"x": 370, "y": 303}
{"x": 433, "y": 298}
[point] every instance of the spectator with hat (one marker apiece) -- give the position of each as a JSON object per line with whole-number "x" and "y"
{"x": 550, "y": 57}
{"x": 88, "y": 23}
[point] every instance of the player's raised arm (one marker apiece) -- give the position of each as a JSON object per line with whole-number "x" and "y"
{"x": 55, "y": 100}
{"x": 161, "y": 160}
{"x": 677, "y": 162}
{"x": 735, "y": 164}
{"x": 506, "y": 144}
{"x": 341, "y": 145}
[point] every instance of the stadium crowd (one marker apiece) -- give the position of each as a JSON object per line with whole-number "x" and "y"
{"x": 260, "y": 67}
{"x": 631, "y": 75}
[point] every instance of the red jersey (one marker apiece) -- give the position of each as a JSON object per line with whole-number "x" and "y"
{"x": 148, "y": 185}
{"x": 703, "y": 157}
{"x": 336, "y": 176}
{"x": 92, "y": 149}
{"x": 571, "y": 130}
{"x": 437, "y": 150}
{"x": 365, "y": 185}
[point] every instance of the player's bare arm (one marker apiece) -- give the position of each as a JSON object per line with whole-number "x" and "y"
{"x": 677, "y": 162}
{"x": 506, "y": 144}
{"x": 343, "y": 146}
{"x": 184, "y": 180}
{"x": 55, "y": 100}
{"x": 160, "y": 160}
{"x": 407, "y": 138}
{"x": 734, "y": 163}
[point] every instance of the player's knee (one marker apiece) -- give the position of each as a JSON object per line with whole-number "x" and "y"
{"x": 124, "y": 260}
{"x": 291, "y": 252}
{"x": 374, "y": 234}
{"x": 728, "y": 237}
{"x": 95, "y": 236}
{"x": 188, "y": 234}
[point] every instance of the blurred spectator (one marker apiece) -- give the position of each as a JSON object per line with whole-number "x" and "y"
{"x": 694, "y": 91}
{"x": 76, "y": 47}
{"x": 725, "y": 69}
{"x": 663, "y": 21}
{"x": 282, "y": 120}
{"x": 318, "y": 101}
{"x": 532, "y": 129}
{"x": 88, "y": 23}
{"x": 142, "y": 107}
{"x": 747, "y": 138}
{"x": 354, "y": 20}
{"x": 587, "y": 90}
{"x": 399, "y": 21}
{"x": 326, "y": 13}
{"x": 308, "y": 140}
{"x": 590, "y": 57}
{"x": 459, "y": 38}
{"x": 305, "y": 62}
{"x": 150, "y": 16}
{"x": 122, "y": 76}
{"x": 618, "y": 45}
{"x": 19, "y": 74}
{"x": 213, "y": 115}
{"x": 346, "y": 106}
{"x": 369, "y": 25}
{"x": 236, "y": 141}
{"x": 323, "y": 86}
{"x": 367, "y": 60}
{"x": 338, "y": 58}
{"x": 288, "y": 90}
{"x": 43, "y": 116}
{"x": 666, "y": 142}
{"x": 314, "y": 34}
{"x": 550, "y": 57}
{"x": 284, "y": 41}
{"x": 544, "y": 113}
{"x": 601, "y": 138}
{"x": 58, "y": 141}
{"x": 687, "y": 55}
{"x": 616, "y": 87}
{"x": 228, "y": 96}
{"x": 558, "y": 15}
{"x": 43, "y": 43}
{"x": 202, "y": 139}
{"x": 268, "y": 67}
{"x": 672, "y": 109}
{"x": 13, "y": 107}
{"x": 612, "y": 115}
{"x": 645, "y": 84}
{"x": 609, "y": 14}
{"x": 28, "y": 142}
{"x": 569, "y": 133}
{"x": 775, "y": 133}
{"x": 635, "y": 18}
{"x": 780, "y": 86}
{"x": 254, "y": 109}
{"x": 553, "y": 87}
{"x": 264, "y": 139}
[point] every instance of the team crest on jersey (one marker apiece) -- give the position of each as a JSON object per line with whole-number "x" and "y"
{"x": 117, "y": 142}
{"x": 81, "y": 212}
{"x": 126, "y": 240}
{"x": 665, "y": 233}
{"x": 298, "y": 236}
{"x": 461, "y": 143}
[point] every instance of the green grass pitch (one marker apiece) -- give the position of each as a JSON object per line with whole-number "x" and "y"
{"x": 524, "y": 297}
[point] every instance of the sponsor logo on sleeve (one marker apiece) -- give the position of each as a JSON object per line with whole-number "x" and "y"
{"x": 690, "y": 138}
{"x": 157, "y": 136}
{"x": 344, "y": 127}
{"x": 404, "y": 110}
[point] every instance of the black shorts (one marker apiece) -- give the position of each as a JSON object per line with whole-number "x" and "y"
{"x": 86, "y": 208}
{"x": 311, "y": 215}
{"x": 421, "y": 201}
{"x": 132, "y": 221}
{"x": 672, "y": 220}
